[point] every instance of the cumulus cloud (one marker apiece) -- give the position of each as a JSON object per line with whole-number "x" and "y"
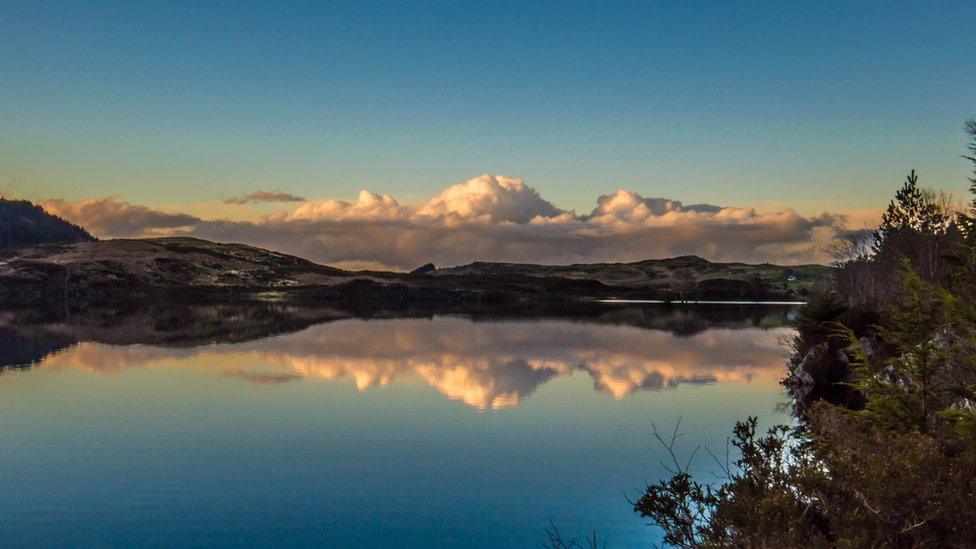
{"x": 112, "y": 217}
{"x": 264, "y": 196}
{"x": 367, "y": 206}
{"x": 490, "y": 218}
{"x": 634, "y": 206}
{"x": 489, "y": 198}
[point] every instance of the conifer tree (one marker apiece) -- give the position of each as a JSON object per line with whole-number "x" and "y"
{"x": 970, "y": 128}
{"x": 913, "y": 210}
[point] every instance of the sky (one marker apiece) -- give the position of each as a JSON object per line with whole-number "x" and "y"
{"x": 190, "y": 108}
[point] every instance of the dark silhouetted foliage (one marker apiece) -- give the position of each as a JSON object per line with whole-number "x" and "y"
{"x": 22, "y": 223}
{"x": 895, "y": 466}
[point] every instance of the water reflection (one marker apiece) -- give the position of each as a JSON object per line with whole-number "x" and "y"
{"x": 488, "y": 360}
{"x": 247, "y": 424}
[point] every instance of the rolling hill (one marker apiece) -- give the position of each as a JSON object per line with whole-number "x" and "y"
{"x": 676, "y": 274}
{"x": 179, "y": 268}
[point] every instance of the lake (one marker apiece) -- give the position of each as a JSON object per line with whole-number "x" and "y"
{"x": 240, "y": 426}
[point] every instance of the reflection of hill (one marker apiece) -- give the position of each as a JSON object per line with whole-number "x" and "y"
{"x": 21, "y": 350}
{"x": 185, "y": 324}
{"x": 682, "y": 320}
{"x": 27, "y": 336}
{"x": 180, "y": 324}
{"x": 493, "y": 361}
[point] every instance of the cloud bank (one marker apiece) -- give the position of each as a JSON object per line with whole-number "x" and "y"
{"x": 112, "y": 217}
{"x": 486, "y": 218}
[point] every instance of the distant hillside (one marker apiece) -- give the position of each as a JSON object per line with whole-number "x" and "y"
{"x": 178, "y": 268}
{"x": 674, "y": 274}
{"x": 167, "y": 263}
{"x": 22, "y": 223}
{"x": 182, "y": 267}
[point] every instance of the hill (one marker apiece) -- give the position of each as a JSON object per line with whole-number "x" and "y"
{"x": 177, "y": 268}
{"x": 677, "y": 274}
{"x": 22, "y": 223}
{"x": 157, "y": 264}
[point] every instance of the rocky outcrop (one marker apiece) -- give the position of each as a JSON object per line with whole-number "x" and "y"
{"x": 424, "y": 269}
{"x": 823, "y": 373}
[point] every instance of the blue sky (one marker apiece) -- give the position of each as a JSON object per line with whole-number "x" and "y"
{"x": 816, "y": 105}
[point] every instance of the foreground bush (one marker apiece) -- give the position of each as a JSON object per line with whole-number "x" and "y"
{"x": 883, "y": 378}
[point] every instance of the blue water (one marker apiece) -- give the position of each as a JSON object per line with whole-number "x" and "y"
{"x": 439, "y": 432}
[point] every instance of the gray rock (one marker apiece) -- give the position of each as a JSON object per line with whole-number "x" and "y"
{"x": 869, "y": 347}
{"x": 801, "y": 374}
{"x": 891, "y": 374}
{"x": 964, "y": 405}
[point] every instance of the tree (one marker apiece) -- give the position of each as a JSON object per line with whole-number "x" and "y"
{"x": 857, "y": 276}
{"x": 895, "y": 466}
{"x": 968, "y": 220}
{"x": 919, "y": 226}
{"x": 912, "y": 209}
{"x": 970, "y": 128}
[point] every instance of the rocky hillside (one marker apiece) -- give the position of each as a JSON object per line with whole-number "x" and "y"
{"x": 22, "y": 224}
{"x": 153, "y": 265}
{"x": 685, "y": 274}
{"x": 120, "y": 270}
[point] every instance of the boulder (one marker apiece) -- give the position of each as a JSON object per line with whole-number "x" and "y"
{"x": 870, "y": 348}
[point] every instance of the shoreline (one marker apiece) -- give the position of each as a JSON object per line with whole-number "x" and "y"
{"x": 700, "y": 302}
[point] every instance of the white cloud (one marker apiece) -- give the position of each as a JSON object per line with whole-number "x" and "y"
{"x": 628, "y": 204}
{"x": 488, "y": 218}
{"x": 367, "y": 206}
{"x": 489, "y": 198}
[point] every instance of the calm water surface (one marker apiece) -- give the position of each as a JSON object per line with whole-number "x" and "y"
{"x": 409, "y": 432}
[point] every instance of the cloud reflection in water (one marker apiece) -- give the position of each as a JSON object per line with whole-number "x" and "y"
{"x": 486, "y": 365}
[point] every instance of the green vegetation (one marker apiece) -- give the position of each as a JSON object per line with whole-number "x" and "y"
{"x": 883, "y": 379}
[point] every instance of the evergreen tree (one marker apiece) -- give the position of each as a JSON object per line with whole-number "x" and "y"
{"x": 912, "y": 211}
{"x": 970, "y": 128}
{"x": 967, "y": 220}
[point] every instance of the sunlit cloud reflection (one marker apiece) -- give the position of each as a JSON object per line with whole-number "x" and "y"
{"x": 486, "y": 365}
